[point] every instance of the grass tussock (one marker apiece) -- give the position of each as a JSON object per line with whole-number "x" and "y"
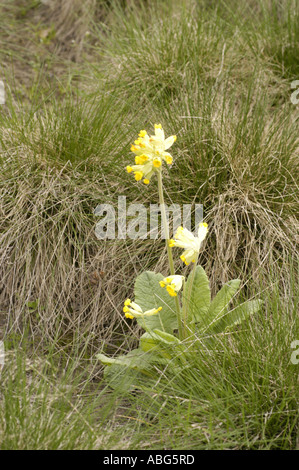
{"x": 236, "y": 154}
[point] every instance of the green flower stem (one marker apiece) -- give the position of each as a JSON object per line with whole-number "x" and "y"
{"x": 184, "y": 309}
{"x": 169, "y": 252}
{"x": 187, "y": 329}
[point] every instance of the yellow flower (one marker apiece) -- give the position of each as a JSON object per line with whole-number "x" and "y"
{"x": 158, "y": 141}
{"x": 133, "y": 310}
{"x": 173, "y": 284}
{"x": 138, "y": 175}
{"x": 150, "y": 152}
{"x": 157, "y": 162}
{"x": 185, "y": 239}
{"x": 141, "y": 159}
{"x": 168, "y": 159}
{"x": 142, "y": 171}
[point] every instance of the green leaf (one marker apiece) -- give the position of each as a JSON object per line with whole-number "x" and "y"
{"x": 166, "y": 337}
{"x": 153, "y": 343}
{"x": 218, "y": 306}
{"x": 127, "y": 372}
{"x": 125, "y": 379}
{"x": 148, "y": 342}
{"x": 200, "y": 298}
{"x": 136, "y": 359}
{"x": 237, "y": 315}
{"x": 158, "y": 341}
{"x": 149, "y": 294}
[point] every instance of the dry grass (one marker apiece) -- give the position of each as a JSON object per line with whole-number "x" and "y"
{"x": 50, "y": 254}
{"x": 238, "y": 159}
{"x": 218, "y": 75}
{"x": 41, "y": 41}
{"x": 251, "y": 241}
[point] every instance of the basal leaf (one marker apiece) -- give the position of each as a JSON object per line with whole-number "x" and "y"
{"x": 136, "y": 359}
{"x": 125, "y": 379}
{"x": 149, "y": 294}
{"x": 218, "y": 306}
{"x": 237, "y": 315}
{"x": 166, "y": 337}
{"x": 200, "y": 299}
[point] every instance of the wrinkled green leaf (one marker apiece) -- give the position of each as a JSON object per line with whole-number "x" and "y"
{"x": 149, "y": 294}
{"x": 136, "y": 359}
{"x": 148, "y": 342}
{"x": 158, "y": 341}
{"x": 129, "y": 371}
{"x": 125, "y": 379}
{"x": 166, "y": 337}
{"x": 237, "y": 315}
{"x": 200, "y": 299}
{"x": 218, "y": 306}
{"x": 153, "y": 343}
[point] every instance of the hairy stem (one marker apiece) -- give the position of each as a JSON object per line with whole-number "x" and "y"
{"x": 169, "y": 252}
{"x": 187, "y": 325}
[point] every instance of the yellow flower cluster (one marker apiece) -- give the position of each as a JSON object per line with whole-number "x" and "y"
{"x": 133, "y": 310}
{"x": 191, "y": 244}
{"x": 150, "y": 152}
{"x": 173, "y": 284}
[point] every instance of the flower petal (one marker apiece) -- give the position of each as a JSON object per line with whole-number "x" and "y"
{"x": 169, "y": 142}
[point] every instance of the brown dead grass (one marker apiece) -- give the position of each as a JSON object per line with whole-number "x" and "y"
{"x": 45, "y": 38}
{"x": 49, "y": 253}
